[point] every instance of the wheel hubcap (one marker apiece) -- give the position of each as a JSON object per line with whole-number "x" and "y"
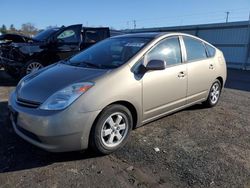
{"x": 215, "y": 93}
{"x": 33, "y": 67}
{"x": 114, "y": 130}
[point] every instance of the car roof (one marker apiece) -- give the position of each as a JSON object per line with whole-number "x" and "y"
{"x": 154, "y": 35}
{"x": 142, "y": 35}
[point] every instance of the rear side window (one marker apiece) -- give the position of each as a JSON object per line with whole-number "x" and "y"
{"x": 195, "y": 49}
{"x": 211, "y": 51}
{"x": 167, "y": 50}
{"x": 93, "y": 36}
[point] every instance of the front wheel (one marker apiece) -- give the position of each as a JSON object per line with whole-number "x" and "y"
{"x": 111, "y": 130}
{"x": 31, "y": 67}
{"x": 214, "y": 94}
{"x": 13, "y": 73}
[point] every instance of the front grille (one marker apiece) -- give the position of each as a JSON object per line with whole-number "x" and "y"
{"x": 26, "y": 103}
{"x": 6, "y": 53}
{"x": 11, "y": 53}
{"x": 28, "y": 134}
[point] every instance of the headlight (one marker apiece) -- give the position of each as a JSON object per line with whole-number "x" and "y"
{"x": 63, "y": 98}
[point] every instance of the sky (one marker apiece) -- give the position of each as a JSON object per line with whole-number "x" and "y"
{"x": 121, "y": 14}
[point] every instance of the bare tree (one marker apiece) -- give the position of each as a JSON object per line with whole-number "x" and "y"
{"x": 29, "y": 29}
{"x": 51, "y": 26}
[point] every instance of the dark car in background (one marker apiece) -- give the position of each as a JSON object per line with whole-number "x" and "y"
{"x": 21, "y": 55}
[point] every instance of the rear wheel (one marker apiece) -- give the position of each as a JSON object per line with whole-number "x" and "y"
{"x": 111, "y": 130}
{"x": 214, "y": 94}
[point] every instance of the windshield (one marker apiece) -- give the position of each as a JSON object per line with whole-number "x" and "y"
{"x": 43, "y": 35}
{"x": 110, "y": 53}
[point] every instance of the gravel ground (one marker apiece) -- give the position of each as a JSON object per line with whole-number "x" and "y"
{"x": 196, "y": 147}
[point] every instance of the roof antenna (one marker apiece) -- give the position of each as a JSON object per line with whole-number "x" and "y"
{"x": 227, "y": 16}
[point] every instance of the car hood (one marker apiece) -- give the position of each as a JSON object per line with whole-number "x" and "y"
{"x": 15, "y": 38}
{"x": 19, "y": 45}
{"x": 39, "y": 86}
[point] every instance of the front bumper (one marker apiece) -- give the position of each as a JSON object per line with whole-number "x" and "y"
{"x": 5, "y": 62}
{"x": 54, "y": 131}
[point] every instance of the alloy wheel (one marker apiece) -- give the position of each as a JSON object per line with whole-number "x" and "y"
{"x": 33, "y": 67}
{"x": 114, "y": 130}
{"x": 215, "y": 93}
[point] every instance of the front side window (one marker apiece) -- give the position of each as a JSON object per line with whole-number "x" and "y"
{"x": 109, "y": 53}
{"x": 68, "y": 35}
{"x": 194, "y": 48}
{"x": 167, "y": 50}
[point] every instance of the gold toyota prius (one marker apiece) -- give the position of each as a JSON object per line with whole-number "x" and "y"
{"x": 96, "y": 98}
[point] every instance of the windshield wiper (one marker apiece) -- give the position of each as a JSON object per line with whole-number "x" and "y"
{"x": 109, "y": 66}
{"x": 92, "y": 65}
{"x": 88, "y": 64}
{"x": 64, "y": 61}
{"x": 84, "y": 63}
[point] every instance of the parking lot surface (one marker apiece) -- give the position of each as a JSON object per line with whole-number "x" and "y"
{"x": 196, "y": 147}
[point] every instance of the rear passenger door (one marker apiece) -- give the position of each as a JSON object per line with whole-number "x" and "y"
{"x": 94, "y": 35}
{"x": 200, "y": 69}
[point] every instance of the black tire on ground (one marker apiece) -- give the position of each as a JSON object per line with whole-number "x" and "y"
{"x": 14, "y": 74}
{"x": 24, "y": 69}
{"x": 214, "y": 94}
{"x": 98, "y": 141}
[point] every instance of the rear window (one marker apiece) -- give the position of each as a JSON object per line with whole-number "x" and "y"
{"x": 211, "y": 51}
{"x": 195, "y": 49}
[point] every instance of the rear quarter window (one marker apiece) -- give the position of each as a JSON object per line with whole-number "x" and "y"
{"x": 211, "y": 50}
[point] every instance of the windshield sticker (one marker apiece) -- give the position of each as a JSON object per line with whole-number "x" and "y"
{"x": 135, "y": 44}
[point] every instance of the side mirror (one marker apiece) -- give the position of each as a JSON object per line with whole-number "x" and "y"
{"x": 156, "y": 65}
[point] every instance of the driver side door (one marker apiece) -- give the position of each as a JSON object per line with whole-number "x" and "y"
{"x": 164, "y": 90}
{"x": 67, "y": 42}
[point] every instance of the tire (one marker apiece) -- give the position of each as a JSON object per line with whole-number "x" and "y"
{"x": 111, "y": 130}
{"x": 12, "y": 73}
{"x": 214, "y": 94}
{"x": 30, "y": 67}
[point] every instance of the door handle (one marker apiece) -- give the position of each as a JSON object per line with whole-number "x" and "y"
{"x": 181, "y": 74}
{"x": 211, "y": 66}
